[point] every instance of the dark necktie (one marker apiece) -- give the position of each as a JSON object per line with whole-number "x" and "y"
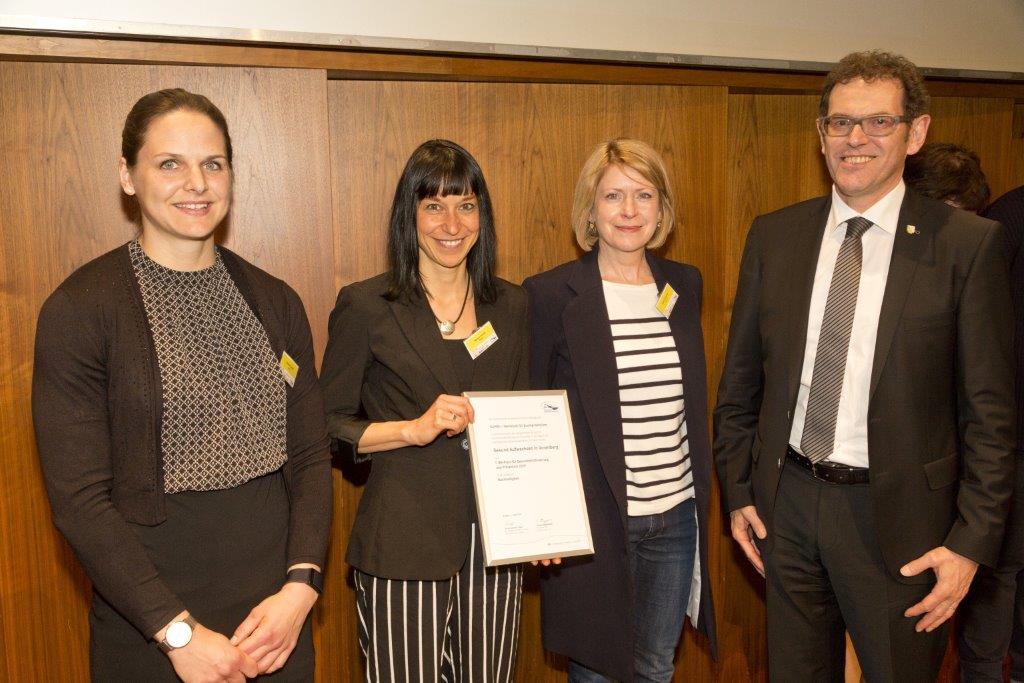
{"x": 833, "y": 345}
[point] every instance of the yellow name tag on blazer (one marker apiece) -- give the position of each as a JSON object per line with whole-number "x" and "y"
{"x": 667, "y": 300}
{"x": 289, "y": 368}
{"x": 481, "y": 340}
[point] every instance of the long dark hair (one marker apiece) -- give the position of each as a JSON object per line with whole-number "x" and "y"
{"x": 439, "y": 168}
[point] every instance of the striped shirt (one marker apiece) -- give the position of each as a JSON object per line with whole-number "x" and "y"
{"x": 658, "y": 475}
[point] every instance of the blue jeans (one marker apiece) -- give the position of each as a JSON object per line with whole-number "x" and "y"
{"x": 661, "y": 557}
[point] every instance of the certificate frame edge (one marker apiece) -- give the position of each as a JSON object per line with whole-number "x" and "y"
{"x": 484, "y": 538}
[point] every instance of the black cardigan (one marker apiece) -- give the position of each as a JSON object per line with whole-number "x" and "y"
{"x": 97, "y": 403}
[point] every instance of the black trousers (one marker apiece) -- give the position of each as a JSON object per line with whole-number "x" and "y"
{"x": 824, "y": 576}
{"x": 464, "y": 628}
{"x": 991, "y": 614}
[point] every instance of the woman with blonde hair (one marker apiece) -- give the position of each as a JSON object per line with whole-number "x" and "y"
{"x": 619, "y": 330}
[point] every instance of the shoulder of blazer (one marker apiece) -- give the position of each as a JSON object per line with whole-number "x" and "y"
{"x": 511, "y": 297}
{"x": 551, "y": 280}
{"x": 796, "y": 214}
{"x": 677, "y": 270}
{"x": 367, "y": 296}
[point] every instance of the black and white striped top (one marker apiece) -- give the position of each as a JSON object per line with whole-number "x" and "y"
{"x": 658, "y": 475}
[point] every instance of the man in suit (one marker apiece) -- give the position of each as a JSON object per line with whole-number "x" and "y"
{"x": 992, "y": 615}
{"x": 864, "y": 426}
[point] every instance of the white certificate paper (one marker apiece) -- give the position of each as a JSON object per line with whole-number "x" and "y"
{"x": 529, "y": 495}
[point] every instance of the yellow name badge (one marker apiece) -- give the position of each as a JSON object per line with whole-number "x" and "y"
{"x": 289, "y": 368}
{"x": 481, "y": 340}
{"x": 667, "y": 300}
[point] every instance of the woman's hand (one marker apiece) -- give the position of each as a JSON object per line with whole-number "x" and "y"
{"x": 448, "y": 414}
{"x": 268, "y": 635}
{"x": 548, "y": 562}
{"x": 211, "y": 658}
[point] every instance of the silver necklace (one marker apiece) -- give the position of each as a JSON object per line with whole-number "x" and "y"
{"x": 448, "y": 326}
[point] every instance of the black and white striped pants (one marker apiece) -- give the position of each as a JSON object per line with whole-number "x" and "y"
{"x": 461, "y": 629}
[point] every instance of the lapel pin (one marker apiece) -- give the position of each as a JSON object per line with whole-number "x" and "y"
{"x": 912, "y": 230}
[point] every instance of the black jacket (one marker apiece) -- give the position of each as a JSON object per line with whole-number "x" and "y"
{"x": 941, "y": 422}
{"x": 386, "y": 361}
{"x": 587, "y": 610}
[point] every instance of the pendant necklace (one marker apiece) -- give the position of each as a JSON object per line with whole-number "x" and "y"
{"x": 448, "y": 326}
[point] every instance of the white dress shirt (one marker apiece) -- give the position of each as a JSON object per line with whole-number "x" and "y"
{"x": 851, "y": 439}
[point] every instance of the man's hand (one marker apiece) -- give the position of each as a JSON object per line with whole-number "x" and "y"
{"x": 745, "y": 523}
{"x": 953, "y": 575}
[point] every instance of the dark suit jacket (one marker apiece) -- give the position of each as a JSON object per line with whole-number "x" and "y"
{"x": 587, "y": 607}
{"x": 385, "y": 361}
{"x": 941, "y": 415}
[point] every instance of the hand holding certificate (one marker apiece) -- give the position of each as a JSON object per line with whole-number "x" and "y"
{"x": 529, "y": 494}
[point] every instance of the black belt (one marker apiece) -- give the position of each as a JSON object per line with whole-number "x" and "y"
{"x": 830, "y": 472}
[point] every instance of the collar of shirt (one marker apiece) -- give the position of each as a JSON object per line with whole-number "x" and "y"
{"x": 885, "y": 213}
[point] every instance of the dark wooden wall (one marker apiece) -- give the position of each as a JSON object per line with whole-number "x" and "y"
{"x": 316, "y": 164}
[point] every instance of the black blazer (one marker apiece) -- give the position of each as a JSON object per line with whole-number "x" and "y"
{"x": 587, "y": 610}
{"x": 385, "y": 361}
{"x": 941, "y": 413}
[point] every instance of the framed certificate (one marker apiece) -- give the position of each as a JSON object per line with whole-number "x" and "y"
{"x": 529, "y": 495}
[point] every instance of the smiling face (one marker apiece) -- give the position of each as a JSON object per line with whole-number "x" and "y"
{"x": 866, "y": 168}
{"x": 446, "y": 229}
{"x": 182, "y": 178}
{"x": 626, "y": 210}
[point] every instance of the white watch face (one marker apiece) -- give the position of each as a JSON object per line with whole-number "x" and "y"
{"x": 178, "y": 634}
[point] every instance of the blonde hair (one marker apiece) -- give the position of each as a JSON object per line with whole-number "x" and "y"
{"x": 637, "y": 156}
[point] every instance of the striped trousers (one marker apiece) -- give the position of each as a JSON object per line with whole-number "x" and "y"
{"x": 460, "y": 629}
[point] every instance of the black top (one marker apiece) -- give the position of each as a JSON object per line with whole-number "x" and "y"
{"x": 386, "y": 361}
{"x": 461, "y": 360}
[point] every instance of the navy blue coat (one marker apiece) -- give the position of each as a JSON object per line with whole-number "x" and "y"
{"x": 586, "y": 607}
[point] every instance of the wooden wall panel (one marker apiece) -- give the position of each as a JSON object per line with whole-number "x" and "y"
{"x": 531, "y": 141}
{"x": 60, "y": 205}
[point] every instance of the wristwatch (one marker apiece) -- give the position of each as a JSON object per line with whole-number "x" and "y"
{"x": 177, "y": 635}
{"x": 313, "y": 578}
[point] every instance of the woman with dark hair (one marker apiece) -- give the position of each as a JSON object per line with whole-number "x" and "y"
{"x": 180, "y": 427}
{"x": 393, "y": 373}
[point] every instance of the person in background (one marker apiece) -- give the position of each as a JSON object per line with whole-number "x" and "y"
{"x": 864, "y": 427}
{"x": 394, "y": 370}
{"x": 950, "y": 173}
{"x": 619, "y": 329}
{"x": 180, "y": 427}
{"x": 992, "y": 619}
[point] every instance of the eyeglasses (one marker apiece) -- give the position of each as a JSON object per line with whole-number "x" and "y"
{"x": 876, "y": 125}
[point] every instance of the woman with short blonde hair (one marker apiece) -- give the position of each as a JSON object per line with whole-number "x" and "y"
{"x": 634, "y": 154}
{"x": 619, "y": 331}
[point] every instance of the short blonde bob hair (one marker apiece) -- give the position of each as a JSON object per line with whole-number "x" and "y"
{"x": 635, "y": 155}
